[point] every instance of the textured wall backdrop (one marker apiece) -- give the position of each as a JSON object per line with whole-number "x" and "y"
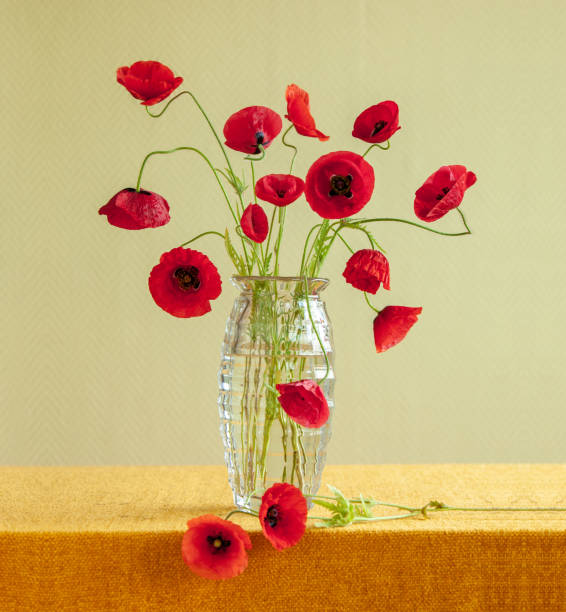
{"x": 93, "y": 372}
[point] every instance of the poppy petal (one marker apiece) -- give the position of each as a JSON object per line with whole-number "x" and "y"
{"x": 392, "y": 324}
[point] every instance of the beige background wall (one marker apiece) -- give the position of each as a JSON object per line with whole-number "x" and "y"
{"x": 93, "y": 372}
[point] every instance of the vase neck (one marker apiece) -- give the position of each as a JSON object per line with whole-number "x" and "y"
{"x": 281, "y": 284}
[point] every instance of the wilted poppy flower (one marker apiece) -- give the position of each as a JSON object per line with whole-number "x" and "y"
{"x": 250, "y": 127}
{"x": 298, "y": 112}
{"x": 304, "y": 402}
{"x": 279, "y": 189}
{"x": 183, "y": 283}
{"x": 283, "y": 515}
{"x": 366, "y": 270}
{"x": 214, "y": 548}
{"x": 148, "y": 81}
{"x": 392, "y": 324}
{"x": 134, "y": 210}
{"x": 339, "y": 184}
{"x": 254, "y": 223}
{"x": 377, "y": 123}
{"x": 442, "y": 191}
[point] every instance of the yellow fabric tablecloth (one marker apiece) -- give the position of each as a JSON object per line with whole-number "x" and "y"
{"x": 108, "y": 538}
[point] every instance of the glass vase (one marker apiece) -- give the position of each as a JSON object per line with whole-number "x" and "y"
{"x": 270, "y": 339}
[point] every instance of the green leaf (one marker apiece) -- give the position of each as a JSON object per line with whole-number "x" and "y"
{"x": 326, "y": 504}
{"x": 233, "y": 254}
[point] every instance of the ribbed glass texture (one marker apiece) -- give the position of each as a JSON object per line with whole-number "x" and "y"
{"x": 269, "y": 340}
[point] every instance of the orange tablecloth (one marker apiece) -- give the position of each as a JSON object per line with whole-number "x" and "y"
{"x": 108, "y": 538}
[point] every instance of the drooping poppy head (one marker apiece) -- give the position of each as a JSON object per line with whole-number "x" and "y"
{"x": 283, "y": 515}
{"x": 150, "y": 82}
{"x": 366, "y": 270}
{"x": 442, "y": 191}
{"x": 377, "y": 123}
{"x": 214, "y": 548}
{"x": 134, "y": 210}
{"x": 304, "y": 402}
{"x": 298, "y": 112}
{"x": 279, "y": 189}
{"x": 250, "y": 127}
{"x": 392, "y": 324}
{"x": 339, "y": 184}
{"x": 183, "y": 283}
{"x": 254, "y": 223}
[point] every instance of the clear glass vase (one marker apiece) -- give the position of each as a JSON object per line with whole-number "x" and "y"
{"x": 270, "y": 339}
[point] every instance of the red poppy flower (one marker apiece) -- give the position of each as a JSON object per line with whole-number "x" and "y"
{"x": 366, "y": 270}
{"x": 254, "y": 223}
{"x": 339, "y": 184}
{"x": 304, "y": 402}
{"x": 283, "y": 515}
{"x": 392, "y": 324}
{"x": 442, "y": 191}
{"x": 134, "y": 210}
{"x": 298, "y": 112}
{"x": 250, "y": 127}
{"x": 183, "y": 283}
{"x": 279, "y": 189}
{"x": 148, "y": 81}
{"x": 377, "y": 123}
{"x": 214, "y": 548}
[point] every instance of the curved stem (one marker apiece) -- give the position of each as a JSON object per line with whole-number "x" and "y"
{"x": 428, "y": 229}
{"x": 261, "y": 151}
{"x": 370, "y": 304}
{"x": 238, "y": 511}
{"x": 463, "y": 219}
{"x": 201, "y": 235}
{"x": 337, "y": 234}
{"x": 305, "y": 247}
{"x": 376, "y": 144}
{"x": 316, "y": 332}
{"x": 290, "y": 146}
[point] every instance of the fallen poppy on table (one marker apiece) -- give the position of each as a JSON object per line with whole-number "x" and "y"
{"x": 367, "y": 270}
{"x": 254, "y": 223}
{"x": 339, "y": 184}
{"x": 183, "y": 283}
{"x": 442, "y": 191}
{"x": 150, "y": 82}
{"x": 377, "y": 123}
{"x": 214, "y": 548}
{"x": 250, "y": 127}
{"x": 279, "y": 189}
{"x": 392, "y": 324}
{"x": 298, "y": 112}
{"x": 304, "y": 402}
{"x": 283, "y": 515}
{"x": 134, "y": 210}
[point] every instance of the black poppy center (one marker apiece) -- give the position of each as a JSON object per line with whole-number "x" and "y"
{"x": 272, "y": 516}
{"x": 259, "y": 140}
{"x": 187, "y": 278}
{"x": 340, "y": 185}
{"x": 280, "y": 193}
{"x": 217, "y": 543}
{"x": 444, "y": 191}
{"x": 378, "y": 127}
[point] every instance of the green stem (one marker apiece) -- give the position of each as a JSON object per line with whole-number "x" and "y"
{"x": 301, "y": 271}
{"x": 307, "y": 300}
{"x": 253, "y": 180}
{"x": 270, "y": 229}
{"x": 463, "y": 219}
{"x": 376, "y": 144}
{"x": 290, "y": 146}
{"x": 201, "y": 235}
{"x": 370, "y": 304}
{"x": 238, "y": 511}
{"x": 261, "y": 156}
{"x": 281, "y": 217}
{"x": 428, "y": 229}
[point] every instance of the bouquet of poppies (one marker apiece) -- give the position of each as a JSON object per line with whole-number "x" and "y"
{"x": 337, "y": 187}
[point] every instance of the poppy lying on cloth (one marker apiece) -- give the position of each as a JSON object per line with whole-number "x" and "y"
{"x": 366, "y": 270}
{"x": 183, "y": 283}
{"x": 298, "y": 112}
{"x": 442, "y": 191}
{"x": 283, "y": 515}
{"x": 279, "y": 189}
{"x": 250, "y": 127}
{"x": 214, "y": 548}
{"x": 339, "y": 184}
{"x": 304, "y": 402}
{"x": 148, "y": 81}
{"x": 134, "y": 210}
{"x": 392, "y": 324}
{"x": 254, "y": 223}
{"x": 377, "y": 123}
